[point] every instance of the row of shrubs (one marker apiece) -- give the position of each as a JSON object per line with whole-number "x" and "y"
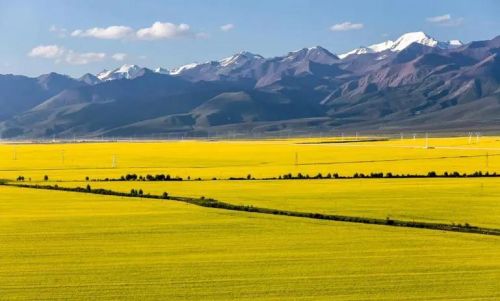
{"x": 212, "y": 203}
{"x": 431, "y": 174}
{"x": 22, "y": 178}
{"x": 89, "y": 189}
{"x": 158, "y": 177}
{"x": 298, "y": 176}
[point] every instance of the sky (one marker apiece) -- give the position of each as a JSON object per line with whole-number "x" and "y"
{"x": 74, "y": 37}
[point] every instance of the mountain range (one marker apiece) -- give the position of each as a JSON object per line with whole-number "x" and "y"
{"x": 414, "y": 83}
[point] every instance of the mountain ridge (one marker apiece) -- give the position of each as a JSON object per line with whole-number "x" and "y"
{"x": 419, "y": 85}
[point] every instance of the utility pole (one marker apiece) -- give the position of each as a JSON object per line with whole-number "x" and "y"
{"x": 113, "y": 162}
{"x": 426, "y": 140}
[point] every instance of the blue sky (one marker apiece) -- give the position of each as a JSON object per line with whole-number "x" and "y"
{"x": 74, "y": 37}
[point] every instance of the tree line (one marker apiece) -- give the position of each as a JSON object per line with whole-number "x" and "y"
{"x": 290, "y": 176}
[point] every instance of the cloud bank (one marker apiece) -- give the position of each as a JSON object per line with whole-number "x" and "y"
{"x": 47, "y": 51}
{"x": 60, "y": 54}
{"x": 346, "y": 26}
{"x": 157, "y": 31}
{"x": 107, "y": 33}
{"x": 227, "y": 27}
{"x": 445, "y": 20}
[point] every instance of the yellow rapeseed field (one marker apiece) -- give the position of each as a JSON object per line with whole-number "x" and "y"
{"x": 62, "y": 245}
{"x": 78, "y": 246}
{"x": 446, "y": 200}
{"x": 266, "y": 158}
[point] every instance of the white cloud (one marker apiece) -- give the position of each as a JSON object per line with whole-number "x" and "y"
{"x": 439, "y": 19}
{"x": 59, "y": 54}
{"x": 75, "y": 58}
{"x": 107, "y": 33}
{"x": 345, "y": 26}
{"x": 158, "y": 30}
{"x": 119, "y": 56}
{"x": 59, "y": 31}
{"x": 47, "y": 51}
{"x": 227, "y": 27}
{"x": 445, "y": 20}
{"x": 161, "y": 30}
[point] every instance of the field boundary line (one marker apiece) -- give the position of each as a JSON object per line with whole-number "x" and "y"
{"x": 212, "y": 203}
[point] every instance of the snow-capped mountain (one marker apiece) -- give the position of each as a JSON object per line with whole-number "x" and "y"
{"x": 161, "y": 70}
{"x": 403, "y": 42}
{"x": 123, "y": 72}
{"x": 316, "y": 54}
{"x": 247, "y": 65}
{"x": 214, "y": 70}
{"x": 89, "y": 79}
{"x": 357, "y": 51}
{"x": 239, "y": 59}
{"x": 183, "y": 68}
{"x": 414, "y": 88}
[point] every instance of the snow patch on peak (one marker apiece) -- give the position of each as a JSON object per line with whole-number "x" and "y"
{"x": 403, "y": 42}
{"x": 456, "y": 43}
{"x": 179, "y": 70}
{"x": 125, "y": 71}
{"x": 413, "y": 37}
{"x": 314, "y": 49}
{"x": 315, "y": 54}
{"x": 357, "y": 51}
{"x": 161, "y": 70}
{"x": 89, "y": 79}
{"x": 128, "y": 68}
{"x": 238, "y": 58}
{"x": 104, "y": 74}
{"x": 382, "y": 46}
{"x": 318, "y": 48}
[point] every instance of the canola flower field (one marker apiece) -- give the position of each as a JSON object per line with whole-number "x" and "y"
{"x": 446, "y": 200}
{"x": 60, "y": 245}
{"x": 266, "y": 158}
